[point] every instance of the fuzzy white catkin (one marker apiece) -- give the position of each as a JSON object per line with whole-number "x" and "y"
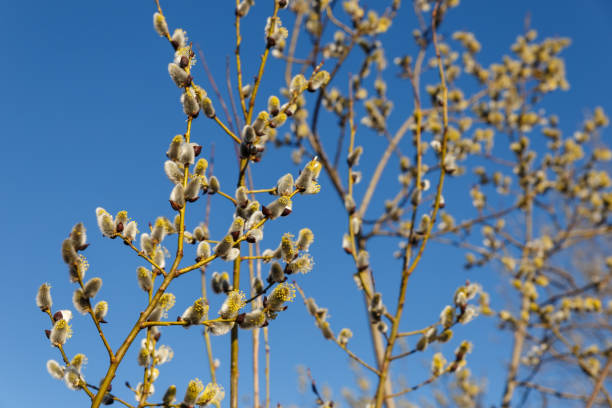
{"x": 91, "y": 288}
{"x": 203, "y": 251}
{"x": 177, "y": 197}
{"x": 43, "y": 297}
{"x": 191, "y": 107}
{"x": 186, "y": 154}
{"x": 160, "y": 25}
{"x": 78, "y": 236}
{"x": 100, "y": 310}
{"x": 80, "y": 301}
{"x": 193, "y": 189}
{"x": 55, "y": 370}
{"x": 173, "y": 172}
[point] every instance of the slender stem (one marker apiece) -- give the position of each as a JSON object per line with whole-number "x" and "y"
{"x": 599, "y": 382}
{"x": 238, "y": 63}
{"x": 229, "y": 132}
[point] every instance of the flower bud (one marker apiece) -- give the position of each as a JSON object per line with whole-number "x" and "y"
{"x": 248, "y": 134}
{"x": 208, "y": 108}
{"x": 80, "y": 301}
{"x": 277, "y": 274}
{"x": 349, "y": 204}
{"x": 242, "y": 199}
{"x": 92, "y": 287}
{"x": 121, "y": 220}
{"x": 180, "y": 77}
{"x": 305, "y": 239}
{"x": 196, "y": 312}
{"x": 251, "y": 320}
{"x": 145, "y": 280}
{"x": 60, "y": 333}
{"x": 194, "y": 388}
{"x": 203, "y": 251}
{"x": 273, "y": 105}
{"x": 344, "y": 336}
{"x": 160, "y": 25}
{"x": 177, "y": 197}
{"x": 169, "y": 395}
{"x": 186, "y": 154}
{"x": 254, "y": 235}
{"x": 173, "y": 172}
{"x": 173, "y": 150}
{"x": 220, "y": 328}
{"x": 224, "y": 247}
{"x": 220, "y": 282}
{"x": 79, "y": 237}
{"x": 130, "y": 231}
{"x": 254, "y": 219}
{"x": 55, "y": 370}
{"x": 447, "y": 317}
{"x": 259, "y": 125}
{"x": 353, "y": 158}
{"x": 320, "y": 79}
{"x": 278, "y": 120}
{"x": 191, "y": 107}
{"x": 283, "y": 292}
{"x": 105, "y": 222}
{"x": 258, "y": 286}
{"x": 213, "y": 185}
{"x": 179, "y": 38}
{"x": 298, "y": 83}
{"x": 284, "y": 185}
{"x": 100, "y": 310}
{"x": 192, "y": 192}
{"x": 43, "y": 297}
{"x": 277, "y": 208}
{"x": 69, "y": 254}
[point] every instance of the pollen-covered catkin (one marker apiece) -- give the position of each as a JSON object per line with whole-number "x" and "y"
{"x": 203, "y": 251}
{"x": 194, "y": 388}
{"x": 60, "y": 333}
{"x": 195, "y": 312}
{"x": 305, "y": 239}
{"x": 284, "y": 185}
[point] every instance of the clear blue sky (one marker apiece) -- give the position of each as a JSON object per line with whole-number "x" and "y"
{"x": 86, "y": 113}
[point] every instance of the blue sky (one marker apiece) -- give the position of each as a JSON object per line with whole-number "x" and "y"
{"x": 86, "y": 113}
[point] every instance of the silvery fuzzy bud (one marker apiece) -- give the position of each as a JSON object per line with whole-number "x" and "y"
{"x": 356, "y": 176}
{"x": 169, "y": 395}
{"x": 203, "y": 251}
{"x": 180, "y": 77}
{"x": 468, "y": 314}
{"x": 69, "y": 254}
{"x": 355, "y": 224}
{"x": 179, "y": 38}
{"x": 349, "y": 204}
{"x": 105, "y": 222}
{"x": 254, "y": 235}
{"x": 91, "y": 288}
{"x": 284, "y": 185}
{"x": 100, "y": 310}
{"x": 450, "y": 164}
{"x": 195, "y": 312}
{"x": 298, "y": 83}
{"x": 255, "y": 219}
{"x": 200, "y": 233}
{"x": 382, "y": 326}
{"x": 186, "y": 154}
{"x": 159, "y": 231}
{"x": 213, "y": 185}
{"x": 55, "y": 370}
{"x": 43, "y": 297}
{"x": 242, "y": 199}
{"x": 258, "y": 286}
{"x": 156, "y": 314}
{"x": 312, "y": 307}
{"x": 220, "y": 328}
{"x": 445, "y": 336}
{"x": 194, "y": 388}
{"x": 289, "y": 108}
{"x": 279, "y": 207}
{"x": 447, "y": 317}
{"x": 173, "y": 150}
{"x": 224, "y": 247}
{"x": 208, "y": 108}
{"x": 220, "y": 282}
{"x": 344, "y": 336}
{"x": 80, "y": 301}
{"x": 251, "y": 320}
{"x": 173, "y": 172}
{"x": 146, "y": 244}
{"x": 326, "y": 330}
{"x": 278, "y": 120}
{"x": 283, "y": 3}
{"x": 60, "y": 333}
{"x": 160, "y": 25}
{"x": 305, "y": 239}
{"x": 191, "y": 107}
{"x": 353, "y": 158}
{"x": 277, "y": 274}
{"x": 243, "y": 8}
{"x": 145, "y": 280}
{"x": 273, "y": 105}
{"x": 200, "y": 167}
{"x": 304, "y": 180}
{"x": 346, "y": 244}
{"x": 320, "y": 79}
{"x": 121, "y": 220}
{"x": 144, "y": 357}
{"x": 130, "y": 231}
{"x": 160, "y": 258}
{"x": 192, "y": 192}
{"x": 78, "y": 236}
{"x": 259, "y": 125}
{"x": 177, "y": 197}
{"x": 248, "y": 134}
{"x": 236, "y": 228}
